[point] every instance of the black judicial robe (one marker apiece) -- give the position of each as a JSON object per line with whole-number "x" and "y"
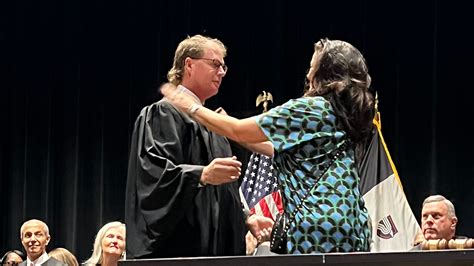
{"x": 167, "y": 213}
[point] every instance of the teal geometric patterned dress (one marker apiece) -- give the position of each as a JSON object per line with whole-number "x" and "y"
{"x": 305, "y": 134}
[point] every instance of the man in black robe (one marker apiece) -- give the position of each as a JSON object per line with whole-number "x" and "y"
{"x": 181, "y": 197}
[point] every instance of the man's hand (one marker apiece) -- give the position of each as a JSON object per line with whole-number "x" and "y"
{"x": 260, "y": 227}
{"x": 221, "y": 171}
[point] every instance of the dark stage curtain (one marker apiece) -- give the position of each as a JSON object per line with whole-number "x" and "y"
{"x": 75, "y": 74}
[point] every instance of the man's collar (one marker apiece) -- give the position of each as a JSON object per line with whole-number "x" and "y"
{"x": 42, "y": 259}
{"x": 183, "y": 89}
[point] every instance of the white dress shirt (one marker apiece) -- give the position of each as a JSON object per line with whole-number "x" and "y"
{"x": 42, "y": 259}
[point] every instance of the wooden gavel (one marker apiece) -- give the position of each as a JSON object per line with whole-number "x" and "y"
{"x": 434, "y": 244}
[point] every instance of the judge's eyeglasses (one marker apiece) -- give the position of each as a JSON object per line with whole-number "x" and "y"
{"x": 214, "y": 62}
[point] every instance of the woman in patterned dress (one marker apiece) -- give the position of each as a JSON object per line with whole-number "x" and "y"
{"x": 303, "y": 135}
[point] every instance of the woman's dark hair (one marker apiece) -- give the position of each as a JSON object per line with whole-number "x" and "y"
{"x": 343, "y": 79}
{"x": 18, "y": 252}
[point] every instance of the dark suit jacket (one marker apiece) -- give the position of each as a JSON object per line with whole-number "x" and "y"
{"x": 50, "y": 262}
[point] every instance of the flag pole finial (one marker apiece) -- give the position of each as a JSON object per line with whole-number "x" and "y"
{"x": 264, "y": 98}
{"x": 376, "y": 102}
{"x": 376, "y": 109}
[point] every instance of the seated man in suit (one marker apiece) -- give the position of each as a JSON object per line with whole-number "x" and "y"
{"x": 34, "y": 235}
{"x": 438, "y": 218}
{"x": 438, "y": 222}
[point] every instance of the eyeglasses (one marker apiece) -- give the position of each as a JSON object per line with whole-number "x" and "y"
{"x": 215, "y": 63}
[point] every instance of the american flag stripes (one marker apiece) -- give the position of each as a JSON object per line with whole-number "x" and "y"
{"x": 259, "y": 188}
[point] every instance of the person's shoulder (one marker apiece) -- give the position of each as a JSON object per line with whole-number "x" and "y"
{"x": 163, "y": 103}
{"x": 318, "y": 100}
{"x": 308, "y": 103}
{"x": 165, "y": 106}
{"x": 161, "y": 107}
{"x": 54, "y": 262}
{"x": 313, "y": 100}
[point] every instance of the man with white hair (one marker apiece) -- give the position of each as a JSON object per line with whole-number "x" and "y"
{"x": 438, "y": 218}
{"x": 34, "y": 235}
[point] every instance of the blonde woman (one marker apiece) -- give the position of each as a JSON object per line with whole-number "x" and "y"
{"x": 109, "y": 245}
{"x": 64, "y": 255}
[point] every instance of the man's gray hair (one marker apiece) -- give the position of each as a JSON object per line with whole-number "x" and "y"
{"x": 439, "y": 198}
{"x": 45, "y": 226}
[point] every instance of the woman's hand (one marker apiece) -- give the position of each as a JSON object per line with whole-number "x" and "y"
{"x": 178, "y": 98}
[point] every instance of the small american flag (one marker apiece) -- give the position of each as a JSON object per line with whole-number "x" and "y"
{"x": 259, "y": 188}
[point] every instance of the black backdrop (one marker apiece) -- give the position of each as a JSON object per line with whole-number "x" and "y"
{"x": 75, "y": 74}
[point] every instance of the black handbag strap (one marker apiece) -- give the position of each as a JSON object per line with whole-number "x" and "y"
{"x": 339, "y": 152}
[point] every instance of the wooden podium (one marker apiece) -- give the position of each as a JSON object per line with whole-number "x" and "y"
{"x": 421, "y": 257}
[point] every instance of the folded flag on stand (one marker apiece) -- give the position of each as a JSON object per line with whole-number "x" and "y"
{"x": 394, "y": 227}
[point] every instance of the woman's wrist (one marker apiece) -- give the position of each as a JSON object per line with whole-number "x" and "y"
{"x": 193, "y": 108}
